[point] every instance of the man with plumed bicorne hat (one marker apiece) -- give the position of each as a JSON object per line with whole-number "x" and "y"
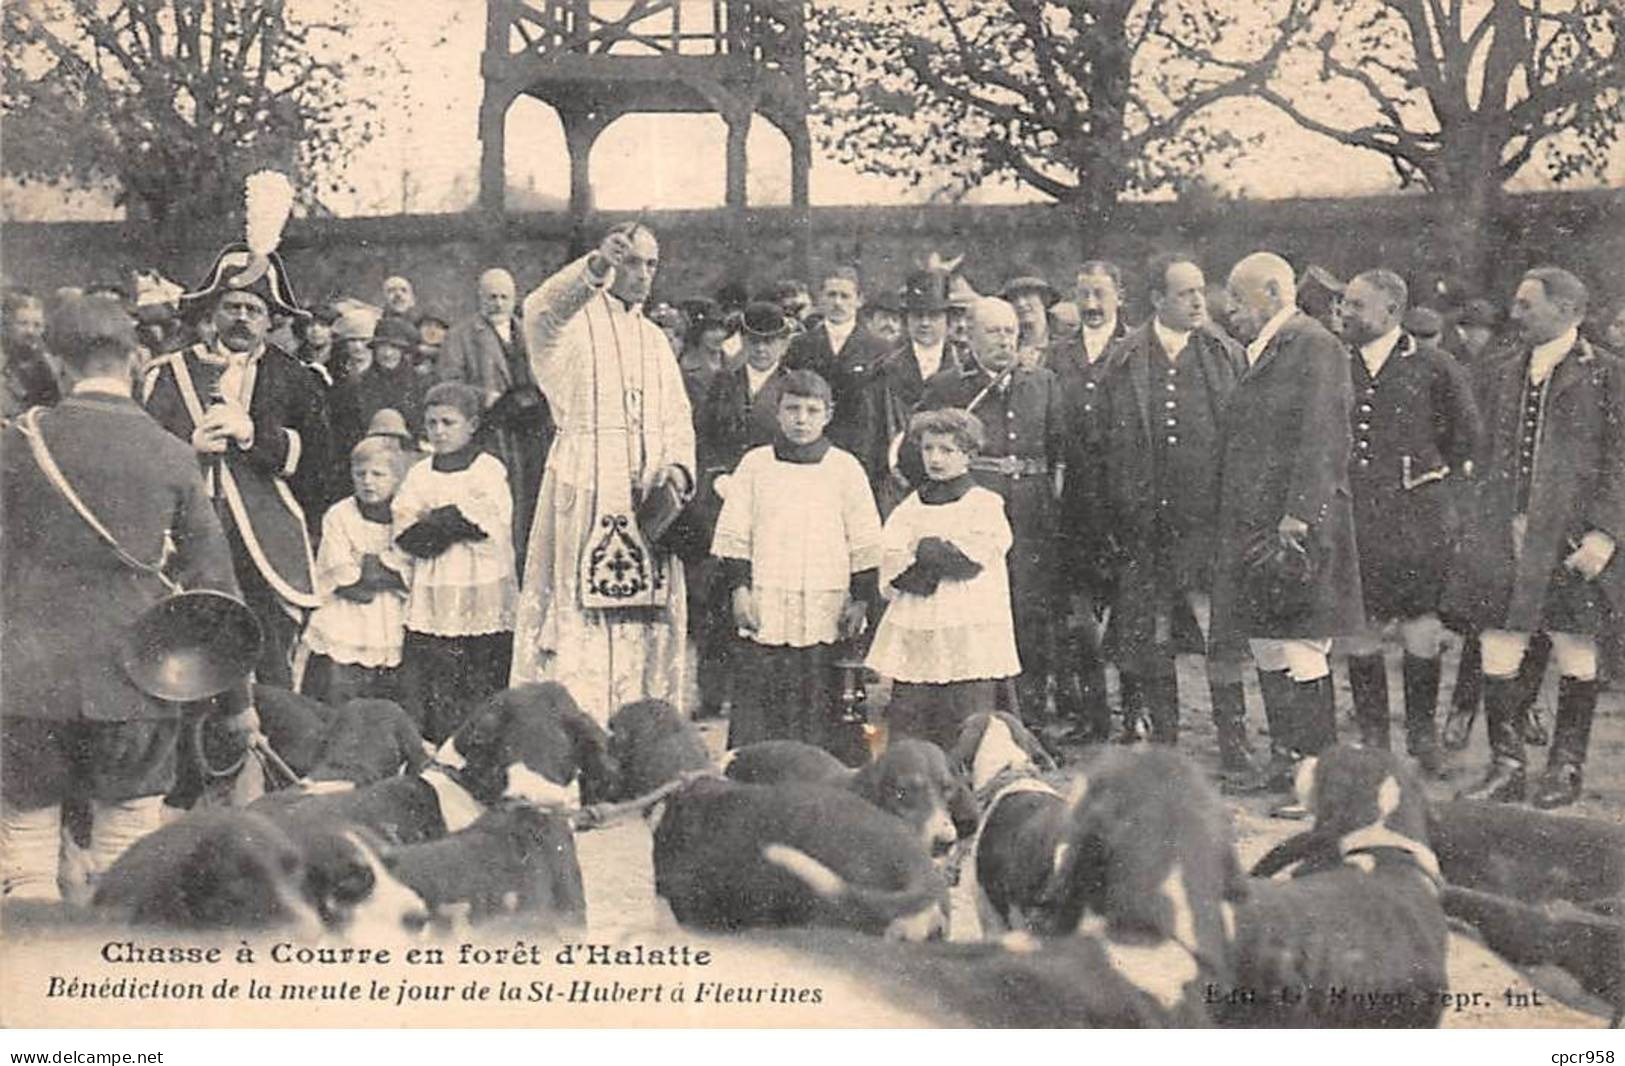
{"x": 257, "y": 421}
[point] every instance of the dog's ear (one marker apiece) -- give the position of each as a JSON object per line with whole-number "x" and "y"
{"x": 1030, "y": 744}
{"x": 970, "y": 736}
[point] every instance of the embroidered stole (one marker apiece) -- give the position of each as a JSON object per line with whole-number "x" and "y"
{"x": 618, "y": 566}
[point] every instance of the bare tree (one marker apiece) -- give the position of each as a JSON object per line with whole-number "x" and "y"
{"x": 1459, "y": 95}
{"x": 174, "y": 101}
{"x": 1080, "y": 100}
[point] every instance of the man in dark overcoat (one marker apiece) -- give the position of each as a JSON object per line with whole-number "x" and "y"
{"x": 739, "y": 413}
{"x": 1164, "y": 396}
{"x": 899, "y": 379}
{"x": 1416, "y": 431}
{"x": 257, "y": 420}
{"x": 487, "y": 351}
{"x": 1023, "y": 461}
{"x": 1543, "y": 530}
{"x": 845, "y": 355}
{"x": 1087, "y": 549}
{"x": 71, "y": 722}
{"x": 1284, "y": 496}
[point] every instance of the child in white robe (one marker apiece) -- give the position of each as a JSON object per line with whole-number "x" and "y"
{"x": 947, "y": 637}
{"x": 799, "y": 541}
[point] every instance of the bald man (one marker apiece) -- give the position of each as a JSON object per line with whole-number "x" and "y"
{"x": 1285, "y": 496}
{"x": 1021, "y": 409}
{"x": 488, "y": 352}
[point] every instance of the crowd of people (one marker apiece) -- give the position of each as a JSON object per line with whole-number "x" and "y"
{"x": 985, "y": 499}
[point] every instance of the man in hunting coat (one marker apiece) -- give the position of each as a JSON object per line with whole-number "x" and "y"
{"x": 1287, "y": 575}
{"x": 1164, "y": 397}
{"x": 1540, "y": 544}
{"x": 1416, "y": 431}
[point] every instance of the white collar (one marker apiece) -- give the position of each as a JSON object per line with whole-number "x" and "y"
{"x": 1374, "y": 354}
{"x": 839, "y": 334}
{"x": 1096, "y": 340}
{"x": 755, "y": 379}
{"x": 1267, "y": 334}
{"x": 929, "y": 359}
{"x": 1173, "y": 341}
{"x": 110, "y": 386}
{"x": 1545, "y": 357}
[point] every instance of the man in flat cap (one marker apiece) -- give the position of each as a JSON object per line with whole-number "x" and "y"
{"x": 257, "y": 420}
{"x": 72, "y": 724}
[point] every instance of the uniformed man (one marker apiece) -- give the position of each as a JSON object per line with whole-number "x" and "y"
{"x": 257, "y": 421}
{"x": 1167, "y": 384}
{"x": 1023, "y": 462}
{"x": 1416, "y": 430}
{"x": 1546, "y": 523}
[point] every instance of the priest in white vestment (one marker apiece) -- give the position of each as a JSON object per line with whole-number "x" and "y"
{"x": 601, "y": 610}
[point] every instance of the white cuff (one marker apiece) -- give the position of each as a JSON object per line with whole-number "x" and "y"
{"x": 295, "y": 450}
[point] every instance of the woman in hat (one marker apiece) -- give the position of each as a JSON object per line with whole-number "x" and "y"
{"x": 392, "y": 382}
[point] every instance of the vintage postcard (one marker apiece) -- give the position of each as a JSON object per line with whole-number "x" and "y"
{"x": 855, "y": 514}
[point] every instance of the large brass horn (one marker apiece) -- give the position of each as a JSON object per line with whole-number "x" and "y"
{"x": 191, "y": 646}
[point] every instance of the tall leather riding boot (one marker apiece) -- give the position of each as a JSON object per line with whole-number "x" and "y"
{"x": 1230, "y": 721}
{"x": 1531, "y": 672}
{"x": 1135, "y": 694}
{"x": 1276, "y": 775}
{"x": 1421, "y": 708}
{"x": 1162, "y": 701}
{"x": 1505, "y": 782}
{"x": 1576, "y": 705}
{"x": 1469, "y": 677}
{"x": 1468, "y": 694}
{"x": 1317, "y": 715}
{"x": 1368, "y": 679}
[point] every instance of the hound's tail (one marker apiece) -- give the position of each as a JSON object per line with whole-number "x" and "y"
{"x": 913, "y": 913}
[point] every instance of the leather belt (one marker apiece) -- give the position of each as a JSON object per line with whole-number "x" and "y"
{"x": 1010, "y": 465}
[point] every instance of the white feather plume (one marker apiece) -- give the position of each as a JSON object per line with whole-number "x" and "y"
{"x": 267, "y": 201}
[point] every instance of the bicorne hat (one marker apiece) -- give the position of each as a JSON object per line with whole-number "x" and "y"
{"x": 237, "y": 269}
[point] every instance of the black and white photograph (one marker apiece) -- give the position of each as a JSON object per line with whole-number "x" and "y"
{"x": 813, "y": 514}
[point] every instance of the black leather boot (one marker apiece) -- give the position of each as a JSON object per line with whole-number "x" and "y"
{"x": 1136, "y": 723}
{"x": 1468, "y": 694}
{"x": 1576, "y": 705}
{"x": 1315, "y": 711}
{"x": 1531, "y": 672}
{"x": 1368, "y": 680}
{"x": 1275, "y": 775}
{"x": 1317, "y": 715}
{"x": 1505, "y": 781}
{"x": 1421, "y": 707}
{"x": 1230, "y": 721}
{"x": 1162, "y": 701}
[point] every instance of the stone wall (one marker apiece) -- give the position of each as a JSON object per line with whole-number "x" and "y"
{"x": 442, "y": 254}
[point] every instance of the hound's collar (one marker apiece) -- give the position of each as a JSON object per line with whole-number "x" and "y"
{"x": 1018, "y": 777}
{"x": 1378, "y": 842}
